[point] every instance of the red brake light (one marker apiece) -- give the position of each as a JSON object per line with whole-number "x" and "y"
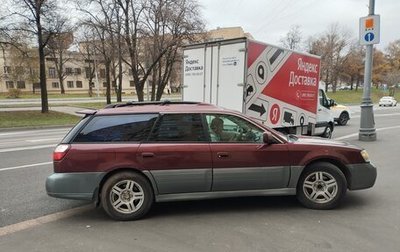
{"x": 60, "y": 152}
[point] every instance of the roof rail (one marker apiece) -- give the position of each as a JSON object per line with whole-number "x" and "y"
{"x": 161, "y": 103}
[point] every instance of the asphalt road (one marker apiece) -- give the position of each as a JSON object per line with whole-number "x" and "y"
{"x": 368, "y": 220}
{"x": 25, "y": 163}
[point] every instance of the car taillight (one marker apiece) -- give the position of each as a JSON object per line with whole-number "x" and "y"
{"x": 60, "y": 152}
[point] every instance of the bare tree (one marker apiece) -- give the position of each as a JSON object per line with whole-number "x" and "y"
{"x": 331, "y": 46}
{"x": 293, "y": 38}
{"x": 99, "y": 22}
{"x": 37, "y": 18}
{"x": 58, "y": 50}
{"x": 393, "y": 54}
{"x": 87, "y": 50}
{"x": 168, "y": 25}
{"x": 132, "y": 12}
{"x": 380, "y": 67}
{"x": 353, "y": 65}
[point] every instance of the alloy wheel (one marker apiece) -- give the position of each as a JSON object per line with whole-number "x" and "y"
{"x": 126, "y": 196}
{"x": 320, "y": 187}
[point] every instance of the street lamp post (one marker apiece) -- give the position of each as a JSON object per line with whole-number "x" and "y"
{"x": 367, "y": 123}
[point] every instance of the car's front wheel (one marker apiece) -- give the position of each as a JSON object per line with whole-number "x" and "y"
{"x": 321, "y": 186}
{"x": 343, "y": 118}
{"x": 126, "y": 196}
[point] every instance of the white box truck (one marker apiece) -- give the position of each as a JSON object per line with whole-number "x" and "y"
{"x": 276, "y": 86}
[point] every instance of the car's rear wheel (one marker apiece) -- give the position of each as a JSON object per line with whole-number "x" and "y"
{"x": 321, "y": 186}
{"x": 343, "y": 118}
{"x": 127, "y": 196}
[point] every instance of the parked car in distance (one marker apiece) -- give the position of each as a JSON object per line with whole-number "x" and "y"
{"x": 387, "y": 101}
{"x": 345, "y": 87}
{"x": 341, "y": 114}
{"x": 127, "y": 156}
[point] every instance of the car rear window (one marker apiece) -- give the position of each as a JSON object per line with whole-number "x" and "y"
{"x": 71, "y": 134}
{"x": 117, "y": 128}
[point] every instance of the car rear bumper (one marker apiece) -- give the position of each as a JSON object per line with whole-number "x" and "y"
{"x": 362, "y": 176}
{"x": 82, "y": 186}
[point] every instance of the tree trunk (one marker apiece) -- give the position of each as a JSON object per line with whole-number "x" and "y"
{"x": 351, "y": 82}
{"x": 42, "y": 63}
{"x": 60, "y": 71}
{"x": 155, "y": 80}
{"x": 119, "y": 82}
{"x": 140, "y": 94}
{"x": 108, "y": 78}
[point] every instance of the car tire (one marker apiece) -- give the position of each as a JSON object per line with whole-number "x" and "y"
{"x": 127, "y": 196}
{"x": 321, "y": 186}
{"x": 327, "y": 132}
{"x": 343, "y": 118}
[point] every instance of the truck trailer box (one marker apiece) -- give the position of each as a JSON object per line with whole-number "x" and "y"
{"x": 276, "y": 86}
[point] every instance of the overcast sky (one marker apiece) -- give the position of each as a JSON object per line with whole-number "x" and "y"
{"x": 270, "y": 20}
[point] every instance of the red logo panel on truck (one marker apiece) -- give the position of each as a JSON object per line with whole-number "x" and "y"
{"x": 296, "y": 82}
{"x": 282, "y": 78}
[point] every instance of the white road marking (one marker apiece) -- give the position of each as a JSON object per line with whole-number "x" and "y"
{"x": 42, "y": 220}
{"x": 377, "y": 115}
{"x": 28, "y": 148}
{"x": 33, "y": 131}
{"x": 24, "y": 166}
{"x": 356, "y": 134}
{"x": 43, "y": 140}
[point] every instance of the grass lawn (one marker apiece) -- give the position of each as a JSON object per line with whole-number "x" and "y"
{"x": 10, "y": 119}
{"x": 89, "y": 105}
{"x": 354, "y": 97}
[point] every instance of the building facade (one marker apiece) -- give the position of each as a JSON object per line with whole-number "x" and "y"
{"x": 79, "y": 74}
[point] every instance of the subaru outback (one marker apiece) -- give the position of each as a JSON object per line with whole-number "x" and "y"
{"x": 128, "y": 156}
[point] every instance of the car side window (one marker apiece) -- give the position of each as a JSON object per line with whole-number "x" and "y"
{"x": 117, "y": 128}
{"x": 230, "y": 128}
{"x": 179, "y": 128}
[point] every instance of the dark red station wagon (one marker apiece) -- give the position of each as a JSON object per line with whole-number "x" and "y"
{"x": 128, "y": 156}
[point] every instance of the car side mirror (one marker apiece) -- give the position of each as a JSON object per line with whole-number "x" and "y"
{"x": 268, "y": 138}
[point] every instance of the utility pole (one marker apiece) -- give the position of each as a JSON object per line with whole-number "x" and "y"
{"x": 369, "y": 35}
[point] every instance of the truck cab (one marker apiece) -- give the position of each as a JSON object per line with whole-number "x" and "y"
{"x": 325, "y": 121}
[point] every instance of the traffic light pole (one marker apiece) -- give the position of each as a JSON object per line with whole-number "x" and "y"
{"x": 367, "y": 123}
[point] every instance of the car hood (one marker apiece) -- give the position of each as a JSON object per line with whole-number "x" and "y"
{"x": 322, "y": 142}
{"x": 339, "y": 106}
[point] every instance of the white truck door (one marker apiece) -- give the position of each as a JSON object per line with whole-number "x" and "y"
{"x": 324, "y": 114}
{"x": 194, "y": 74}
{"x": 230, "y": 70}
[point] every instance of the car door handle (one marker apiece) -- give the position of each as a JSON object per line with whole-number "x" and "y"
{"x": 147, "y": 154}
{"x": 222, "y": 154}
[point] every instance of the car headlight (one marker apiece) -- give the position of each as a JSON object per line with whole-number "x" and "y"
{"x": 365, "y": 155}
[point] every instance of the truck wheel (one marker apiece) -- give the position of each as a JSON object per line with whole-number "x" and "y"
{"x": 328, "y": 132}
{"x": 321, "y": 186}
{"x": 126, "y": 196}
{"x": 343, "y": 118}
